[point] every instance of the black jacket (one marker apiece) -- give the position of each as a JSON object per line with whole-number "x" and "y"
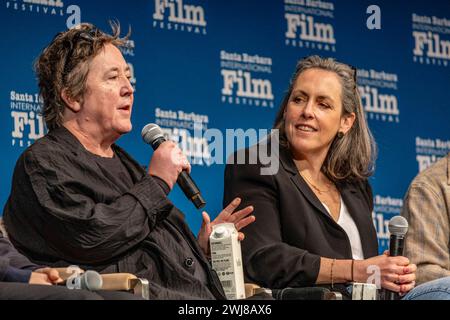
{"x": 282, "y": 248}
{"x": 66, "y": 207}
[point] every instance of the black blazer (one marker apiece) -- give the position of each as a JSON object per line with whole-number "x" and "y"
{"x": 282, "y": 248}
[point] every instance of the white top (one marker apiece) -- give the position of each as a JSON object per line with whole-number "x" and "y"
{"x": 348, "y": 224}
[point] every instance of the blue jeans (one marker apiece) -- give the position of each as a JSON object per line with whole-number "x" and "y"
{"x": 438, "y": 289}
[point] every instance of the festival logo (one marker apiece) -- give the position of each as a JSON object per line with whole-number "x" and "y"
{"x": 309, "y": 24}
{"x": 186, "y": 129}
{"x": 431, "y": 40}
{"x": 385, "y": 207}
{"x": 246, "y": 79}
{"x": 430, "y": 150}
{"x": 27, "y": 122}
{"x": 175, "y": 15}
{"x": 378, "y": 94}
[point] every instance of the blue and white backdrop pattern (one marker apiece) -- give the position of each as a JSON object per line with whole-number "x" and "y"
{"x": 225, "y": 64}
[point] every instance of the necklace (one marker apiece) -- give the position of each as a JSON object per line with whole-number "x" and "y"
{"x": 312, "y": 185}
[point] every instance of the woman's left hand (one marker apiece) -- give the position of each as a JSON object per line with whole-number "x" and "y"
{"x": 407, "y": 279}
{"x": 240, "y": 219}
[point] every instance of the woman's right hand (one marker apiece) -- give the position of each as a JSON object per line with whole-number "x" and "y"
{"x": 167, "y": 163}
{"x": 396, "y": 273}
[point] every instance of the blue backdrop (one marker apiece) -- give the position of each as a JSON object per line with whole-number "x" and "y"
{"x": 227, "y": 64}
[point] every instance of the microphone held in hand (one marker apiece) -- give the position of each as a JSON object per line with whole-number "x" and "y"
{"x": 398, "y": 227}
{"x": 153, "y": 135}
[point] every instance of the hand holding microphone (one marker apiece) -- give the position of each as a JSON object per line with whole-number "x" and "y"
{"x": 397, "y": 274}
{"x": 169, "y": 164}
{"x": 89, "y": 280}
{"x": 398, "y": 227}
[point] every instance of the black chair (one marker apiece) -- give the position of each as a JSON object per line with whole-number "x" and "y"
{"x": 304, "y": 293}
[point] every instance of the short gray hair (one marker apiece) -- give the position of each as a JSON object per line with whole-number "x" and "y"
{"x": 64, "y": 65}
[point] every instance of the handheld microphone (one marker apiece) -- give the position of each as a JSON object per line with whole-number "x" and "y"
{"x": 153, "y": 135}
{"x": 398, "y": 227}
{"x": 89, "y": 280}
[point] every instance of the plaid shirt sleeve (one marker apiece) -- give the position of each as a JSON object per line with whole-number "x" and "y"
{"x": 426, "y": 208}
